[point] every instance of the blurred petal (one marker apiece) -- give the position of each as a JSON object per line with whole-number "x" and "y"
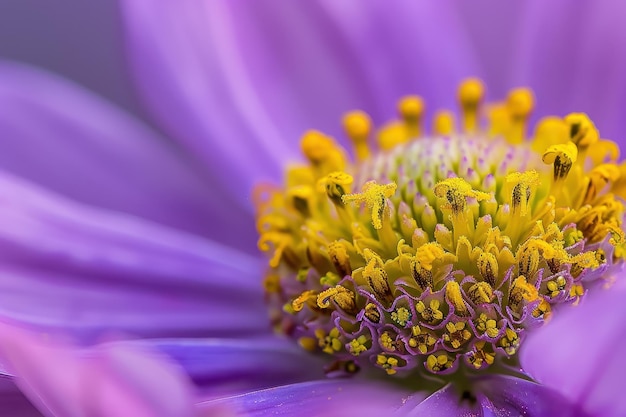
{"x": 111, "y": 380}
{"x": 90, "y": 271}
{"x": 11, "y": 398}
{"x": 575, "y": 58}
{"x": 61, "y": 136}
{"x": 498, "y": 396}
{"x": 328, "y": 398}
{"x": 493, "y": 29}
{"x": 229, "y": 366}
{"x": 239, "y": 82}
{"x": 579, "y": 353}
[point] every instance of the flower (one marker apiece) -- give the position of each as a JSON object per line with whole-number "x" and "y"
{"x": 197, "y": 288}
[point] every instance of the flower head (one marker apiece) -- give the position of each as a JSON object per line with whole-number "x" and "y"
{"x": 434, "y": 256}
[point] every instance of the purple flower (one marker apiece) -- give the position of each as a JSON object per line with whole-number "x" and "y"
{"x": 125, "y": 240}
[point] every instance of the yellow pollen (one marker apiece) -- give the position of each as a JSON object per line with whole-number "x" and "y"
{"x": 304, "y": 298}
{"x": 375, "y": 197}
{"x": 563, "y": 157}
{"x": 455, "y": 192}
{"x": 582, "y": 131}
{"x": 358, "y": 345}
{"x": 522, "y": 185}
{"x": 481, "y": 293}
{"x": 454, "y": 297}
{"x": 340, "y": 295}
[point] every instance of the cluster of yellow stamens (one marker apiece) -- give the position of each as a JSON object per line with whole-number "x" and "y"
{"x": 437, "y": 253}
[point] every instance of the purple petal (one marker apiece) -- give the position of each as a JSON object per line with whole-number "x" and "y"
{"x": 575, "y": 58}
{"x": 498, "y": 396}
{"x": 579, "y": 353}
{"x": 11, "y": 398}
{"x": 61, "y": 136}
{"x": 228, "y": 366}
{"x": 239, "y": 82}
{"x": 90, "y": 271}
{"x": 328, "y": 398}
{"x": 493, "y": 29}
{"x": 104, "y": 381}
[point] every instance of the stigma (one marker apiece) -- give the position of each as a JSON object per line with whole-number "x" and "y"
{"x": 435, "y": 254}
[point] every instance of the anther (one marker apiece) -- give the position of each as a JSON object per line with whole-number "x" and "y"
{"x": 488, "y": 267}
{"x": 563, "y": 157}
{"x": 471, "y": 94}
{"x": 510, "y": 341}
{"x": 522, "y": 290}
{"x": 444, "y": 123}
{"x": 339, "y": 257}
{"x": 372, "y": 313}
{"x": 599, "y": 177}
{"x": 322, "y": 152}
{"x": 343, "y": 297}
{"x": 307, "y": 297}
{"x": 455, "y": 191}
{"x": 337, "y": 184}
{"x": 582, "y": 131}
{"x": 401, "y": 316}
{"x": 550, "y": 131}
{"x": 358, "y": 126}
{"x": 455, "y": 298}
{"x": 376, "y": 277}
{"x": 431, "y": 314}
{"x": 301, "y": 197}
{"x": 520, "y": 104}
{"x": 522, "y": 184}
{"x": 438, "y": 363}
{"x": 456, "y": 334}
{"x": 358, "y": 345}
{"x": 411, "y": 109}
{"x": 480, "y": 293}
{"x": 422, "y": 276}
{"x": 375, "y": 197}
{"x": 330, "y": 343}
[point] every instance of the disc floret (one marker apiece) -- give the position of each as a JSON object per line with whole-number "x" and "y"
{"x": 436, "y": 255}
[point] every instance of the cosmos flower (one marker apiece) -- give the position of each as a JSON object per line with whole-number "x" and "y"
{"x": 226, "y": 82}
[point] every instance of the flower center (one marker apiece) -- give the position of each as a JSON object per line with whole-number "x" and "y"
{"x": 435, "y": 255}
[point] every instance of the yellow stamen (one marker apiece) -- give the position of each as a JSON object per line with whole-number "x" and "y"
{"x": 339, "y": 257}
{"x": 307, "y": 297}
{"x": 358, "y": 345}
{"x": 376, "y": 276}
{"x": 375, "y": 197}
{"x": 582, "y": 131}
{"x": 340, "y": 295}
{"x": 454, "y": 297}
{"x": 358, "y": 127}
{"x": 521, "y": 184}
{"x": 481, "y": 293}
{"x": 599, "y": 177}
{"x": 471, "y": 94}
{"x": 563, "y": 157}
{"x": 520, "y": 104}
{"x": 322, "y": 151}
{"x": 444, "y": 123}
{"x": 337, "y": 184}
{"x": 411, "y": 109}
{"x": 550, "y": 131}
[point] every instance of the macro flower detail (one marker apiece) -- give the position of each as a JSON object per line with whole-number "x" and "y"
{"x": 435, "y": 255}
